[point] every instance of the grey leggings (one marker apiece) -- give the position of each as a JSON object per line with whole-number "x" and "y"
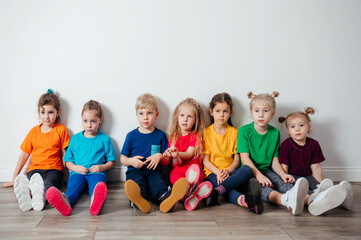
{"x": 278, "y": 185}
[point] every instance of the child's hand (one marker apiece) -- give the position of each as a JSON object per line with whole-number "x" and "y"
{"x": 153, "y": 161}
{"x": 288, "y": 178}
{"x": 6, "y": 185}
{"x": 264, "y": 181}
{"x": 80, "y": 169}
{"x": 96, "y": 169}
{"x": 137, "y": 163}
{"x": 222, "y": 175}
{"x": 174, "y": 152}
{"x": 167, "y": 153}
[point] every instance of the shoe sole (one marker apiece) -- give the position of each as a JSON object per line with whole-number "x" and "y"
{"x": 201, "y": 192}
{"x": 55, "y": 198}
{"x": 22, "y": 192}
{"x": 302, "y": 185}
{"x": 178, "y": 191}
{"x": 99, "y": 195}
{"x": 333, "y": 198}
{"x": 192, "y": 176}
{"x": 254, "y": 191}
{"x": 348, "y": 203}
{"x": 324, "y": 185}
{"x": 133, "y": 193}
{"x": 36, "y": 186}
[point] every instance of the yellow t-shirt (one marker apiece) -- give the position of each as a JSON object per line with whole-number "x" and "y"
{"x": 45, "y": 148}
{"x": 220, "y": 148}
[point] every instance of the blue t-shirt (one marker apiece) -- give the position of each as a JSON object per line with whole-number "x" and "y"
{"x": 145, "y": 145}
{"x": 88, "y": 152}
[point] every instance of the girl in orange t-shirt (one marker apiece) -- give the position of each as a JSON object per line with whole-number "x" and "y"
{"x": 46, "y": 143}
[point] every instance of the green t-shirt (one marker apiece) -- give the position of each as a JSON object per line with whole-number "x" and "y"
{"x": 261, "y": 148}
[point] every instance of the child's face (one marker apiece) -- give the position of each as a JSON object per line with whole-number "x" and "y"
{"x": 91, "y": 123}
{"x": 262, "y": 113}
{"x": 48, "y": 115}
{"x": 221, "y": 113}
{"x": 186, "y": 118}
{"x": 298, "y": 129}
{"x": 146, "y": 118}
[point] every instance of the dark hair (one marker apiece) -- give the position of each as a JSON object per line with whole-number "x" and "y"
{"x": 50, "y": 98}
{"x": 220, "y": 98}
{"x": 93, "y": 105}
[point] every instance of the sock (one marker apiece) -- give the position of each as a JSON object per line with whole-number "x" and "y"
{"x": 284, "y": 200}
{"x": 241, "y": 200}
{"x": 221, "y": 190}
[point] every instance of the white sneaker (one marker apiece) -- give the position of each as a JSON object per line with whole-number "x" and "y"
{"x": 348, "y": 203}
{"x": 295, "y": 198}
{"x": 327, "y": 200}
{"x": 37, "y": 190}
{"x": 22, "y": 193}
{"x": 325, "y": 184}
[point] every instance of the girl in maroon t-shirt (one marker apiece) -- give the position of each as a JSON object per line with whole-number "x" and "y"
{"x": 301, "y": 156}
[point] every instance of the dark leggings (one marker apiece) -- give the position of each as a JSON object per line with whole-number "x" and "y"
{"x": 51, "y": 177}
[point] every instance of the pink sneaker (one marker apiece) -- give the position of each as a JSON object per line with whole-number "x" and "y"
{"x": 58, "y": 200}
{"x": 202, "y": 191}
{"x": 99, "y": 194}
{"x": 192, "y": 176}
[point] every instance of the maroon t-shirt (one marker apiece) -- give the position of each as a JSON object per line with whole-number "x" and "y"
{"x": 300, "y": 158}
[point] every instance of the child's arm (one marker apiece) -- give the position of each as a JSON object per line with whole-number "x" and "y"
{"x": 276, "y": 166}
{"x": 285, "y": 167}
{"x": 219, "y": 173}
{"x": 317, "y": 171}
{"x": 76, "y": 168}
{"x": 262, "y": 179}
{"x": 235, "y": 163}
{"x": 102, "y": 168}
{"x": 134, "y": 161}
{"x": 19, "y": 166}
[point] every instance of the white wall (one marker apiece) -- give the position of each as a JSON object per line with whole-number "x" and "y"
{"x": 113, "y": 51}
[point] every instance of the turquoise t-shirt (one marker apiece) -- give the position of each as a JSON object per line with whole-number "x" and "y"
{"x": 88, "y": 152}
{"x": 261, "y": 148}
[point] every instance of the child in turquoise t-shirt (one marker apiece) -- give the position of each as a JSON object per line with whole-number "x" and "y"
{"x": 90, "y": 154}
{"x": 258, "y": 145}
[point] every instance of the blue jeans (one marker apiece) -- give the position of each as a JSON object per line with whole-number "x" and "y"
{"x": 77, "y": 182}
{"x": 151, "y": 183}
{"x": 278, "y": 185}
{"x": 312, "y": 182}
{"x": 234, "y": 183}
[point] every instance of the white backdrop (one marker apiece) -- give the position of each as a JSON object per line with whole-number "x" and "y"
{"x": 113, "y": 51}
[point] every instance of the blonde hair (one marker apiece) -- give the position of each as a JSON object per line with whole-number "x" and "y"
{"x": 304, "y": 115}
{"x": 198, "y": 126}
{"x": 269, "y": 98}
{"x": 146, "y": 100}
{"x": 93, "y": 105}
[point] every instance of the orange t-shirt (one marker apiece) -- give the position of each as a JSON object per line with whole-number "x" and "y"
{"x": 45, "y": 148}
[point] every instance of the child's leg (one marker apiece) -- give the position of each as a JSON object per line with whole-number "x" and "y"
{"x": 63, "y": 202}
{"x": 97, "y": 191}
{"x": 237, "y": 178}
{"x": 52, "y": 178}
{"x": 135, "y": 189}
{"x": 157, "y": 186}
{"x": 176, "y": 174}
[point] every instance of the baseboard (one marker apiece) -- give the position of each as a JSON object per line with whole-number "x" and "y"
{"x": 352, "y": 174}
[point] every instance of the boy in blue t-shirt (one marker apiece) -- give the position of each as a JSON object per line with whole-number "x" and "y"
{"x": 142, "y": 152}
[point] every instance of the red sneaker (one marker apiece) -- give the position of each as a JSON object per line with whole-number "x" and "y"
{"x": 99, "y": 194}
{"x": 58, "y": 200}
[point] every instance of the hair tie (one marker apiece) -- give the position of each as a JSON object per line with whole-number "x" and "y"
{"x": 306, "y": 113}
{"x": 50, "y": 91}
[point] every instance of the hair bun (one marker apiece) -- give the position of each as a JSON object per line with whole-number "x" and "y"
{"x": 281, "y": 119}
{"x": 309, "y": 110}
{"x": 275, "y": 94}
{"x": 250, "y": 95}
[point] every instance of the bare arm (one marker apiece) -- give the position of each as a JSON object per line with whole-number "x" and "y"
{"x": 19, "y": 166}
{"x": 277, "y": 167}
{"x": 285, "y": 167}
{"x": 317, "y": 171}
{"x": 262, "y": 179}
{"x": 188, "y": 154}
{"x": 134, "y": 161}
{"x": 210, "y": 165}
{"x": 102, "y": 168}
{"x": 235, "y": 163}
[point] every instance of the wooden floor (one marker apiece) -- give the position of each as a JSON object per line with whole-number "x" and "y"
{"x": 118, "y": 221}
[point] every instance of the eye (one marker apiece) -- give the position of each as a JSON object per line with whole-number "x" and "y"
{"x": 265, "y": 110}
{"x": 85, "y": 121}
{"x": 292, "y": 126}
{"x": 217, "y": 111}
{"x": 301, "y": 125}
{"x": 93, "y": 121}
{"x": 225, "y": 111}
{"x": 190, "y": 116}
